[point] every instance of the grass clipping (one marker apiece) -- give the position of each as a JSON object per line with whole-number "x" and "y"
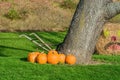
{"x": 109, "y": 40}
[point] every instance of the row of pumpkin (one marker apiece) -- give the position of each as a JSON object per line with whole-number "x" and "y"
{"x": 52, "y": 58}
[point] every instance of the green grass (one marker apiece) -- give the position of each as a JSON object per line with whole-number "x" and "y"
{"x": 112, "y": 59}
{"x": 14, "y": 66}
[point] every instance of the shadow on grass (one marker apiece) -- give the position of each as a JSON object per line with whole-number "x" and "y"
{"x": 4, "y": 53}
{"x": 3, "y": 47}
{"x": 24, "y": 59}
{"x": 52, "y": 38}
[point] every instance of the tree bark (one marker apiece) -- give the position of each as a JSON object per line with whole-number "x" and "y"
{"x": 85, "y": 28}
{"x": 112, "y": 9}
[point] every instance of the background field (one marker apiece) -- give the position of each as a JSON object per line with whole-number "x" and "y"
{"x": 39, "y": 15}
{"x": 42, "y": 15}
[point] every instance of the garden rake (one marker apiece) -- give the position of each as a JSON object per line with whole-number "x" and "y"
{"x": 35, "y": 42}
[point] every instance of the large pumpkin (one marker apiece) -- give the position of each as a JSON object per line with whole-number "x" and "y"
{"x": 42, "y": 58}
{"x": 62, "y": 58}
{"x": 32, "y": 56}
{"x": 70, "y": 59}
{"x": 53, "y": 57}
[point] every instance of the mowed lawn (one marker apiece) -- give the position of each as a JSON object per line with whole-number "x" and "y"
{"x": 14, "y": 65}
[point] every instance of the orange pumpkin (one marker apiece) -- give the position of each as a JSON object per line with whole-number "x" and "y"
{"x": 53, "y": 57}
{"x": 42, "y": 58}
{"x": 62, "y": 58}
{"x": 32, "y": 56}
{"x": 70, "y": 59}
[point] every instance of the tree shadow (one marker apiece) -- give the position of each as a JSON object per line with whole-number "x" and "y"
{"x": 1, "y": 46}
{"x": 52, "y": 38}
{"x": 24, "y": 59}
{"x": 1, "y": 53}
{"x": 5, "y": 54}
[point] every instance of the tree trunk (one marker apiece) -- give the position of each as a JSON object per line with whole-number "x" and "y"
{"x": 86, "y": 26}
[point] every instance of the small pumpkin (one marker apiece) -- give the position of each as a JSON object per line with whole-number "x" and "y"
{"x": 70, "y": 59}
{"x": 32, "y": 56}
{"x": 53, "y": 57}
{"x": 42, "y": 58}
{"x": 61, "y": 58}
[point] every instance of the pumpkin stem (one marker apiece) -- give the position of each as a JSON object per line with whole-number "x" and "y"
{"x": 41, "y": 40}
{"x": 29, "y": 38}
